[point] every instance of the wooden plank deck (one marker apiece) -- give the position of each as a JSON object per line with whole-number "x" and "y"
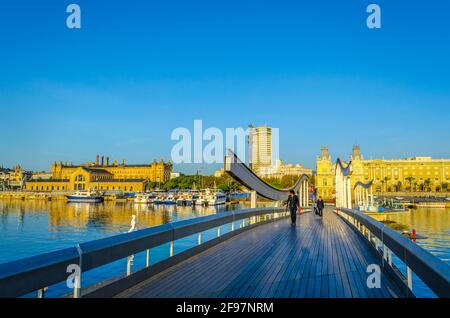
{"x": 319, "y": 258}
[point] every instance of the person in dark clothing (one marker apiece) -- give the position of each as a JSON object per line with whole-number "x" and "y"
{"x": 320, "y": 206}
{"x": 293, "y": 204}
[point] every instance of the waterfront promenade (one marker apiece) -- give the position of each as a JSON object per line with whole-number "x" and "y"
{"x": 253, "y": 253}
{"x": 319, "y": 258}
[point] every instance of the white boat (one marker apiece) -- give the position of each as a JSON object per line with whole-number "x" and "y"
{"x": 183, "y": 198}
{"x": 85, "y": 197}
{"x": 171, "y": 198}
{"x": 212, "y": 197}
{"x": 160, "y": 198}
{"x": 143, "y": 198}
{"x": 188, "y": 198}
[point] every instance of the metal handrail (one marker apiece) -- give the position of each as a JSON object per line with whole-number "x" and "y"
{"x": 32, "y": 274}
{"x": 363, "y": 185}
{"x": 345, "y": 170}
{"x": 434, "y": 272}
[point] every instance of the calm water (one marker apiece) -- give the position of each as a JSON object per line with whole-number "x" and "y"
{"x": 431, "y": 222}
{"x": 34, "y": 227}
{"x": 29, "y": 228}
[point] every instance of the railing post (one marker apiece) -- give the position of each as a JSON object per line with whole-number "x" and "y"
{"x": 171, "y": 248}
{"x": 147, "y": 262}
{"x": 41, "y": 293}
{"x": 389, "y": 257}
{"x": 409, "y": 276}
{"x": 129, "y": 266}
{"x": 232, "y": 227}
{"x": 77, "y": 287}
{"x": 218, "y": 232}
{"x": 200, "y": 238}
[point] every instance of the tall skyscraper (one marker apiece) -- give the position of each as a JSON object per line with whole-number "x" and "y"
{"x": 260, "y": 147}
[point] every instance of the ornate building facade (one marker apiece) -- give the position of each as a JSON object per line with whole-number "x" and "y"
{"x": 396, "y": 175}
{"x": 325, "y": 175}
{"x": 102, "y": 175}
{"x": 279, "y": 170}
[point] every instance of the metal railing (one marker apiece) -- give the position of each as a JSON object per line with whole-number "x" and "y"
{"x": 36, "y": 274}
{"x": 433, "y": 272}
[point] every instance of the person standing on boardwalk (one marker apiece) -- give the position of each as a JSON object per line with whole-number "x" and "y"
{"x": 320, "y": 206}
{"x": 293, "y": 204}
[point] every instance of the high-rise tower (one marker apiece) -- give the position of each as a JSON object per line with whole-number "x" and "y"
{"x": 261, "y": 147}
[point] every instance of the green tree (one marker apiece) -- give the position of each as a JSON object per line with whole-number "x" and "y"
{"x": 426, "y": 184}
{"x": 386, "y": 180}
{"x": 410, "y": 179}
{"x": 285, "y": 182}
{"x": 225, "y": 183}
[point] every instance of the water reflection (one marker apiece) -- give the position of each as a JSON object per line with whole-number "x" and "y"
{"x": 431, "y": 222}
{"x": 32, "y": 227}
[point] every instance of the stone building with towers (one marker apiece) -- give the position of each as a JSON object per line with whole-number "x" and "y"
{"x": 414, "y": 174}
{"x": 325, "y": 175}
{"x": 103, "y": 175}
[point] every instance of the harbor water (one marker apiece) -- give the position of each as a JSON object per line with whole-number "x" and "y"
{"x": 434, "y": 224}
{"x": 33, "y": 227}
{"x": 29, "y": 228}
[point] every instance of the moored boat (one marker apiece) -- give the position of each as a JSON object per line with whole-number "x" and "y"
{"x": 143, "y": 198}
{"x": 171, "y": 198}
{"x": 212, "y": 197}
{"x": 188, "y": 198}
{"x": 85, "y": 197}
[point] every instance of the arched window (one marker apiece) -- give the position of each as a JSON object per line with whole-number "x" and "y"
{"x": 80, "y": 183}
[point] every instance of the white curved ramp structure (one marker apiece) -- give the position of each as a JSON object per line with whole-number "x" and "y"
{"x": 243, "y": 174}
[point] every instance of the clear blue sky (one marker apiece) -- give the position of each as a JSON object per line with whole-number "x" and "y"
{"x": 138, "y": 69}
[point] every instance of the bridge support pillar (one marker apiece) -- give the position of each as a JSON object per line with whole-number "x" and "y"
{"x": 307, "y": 194}
{"x": 302, "y": 191}
{"x": 349, "y": 193}
{"x": 300, "y": 194}
{"x": 253, "y": 199}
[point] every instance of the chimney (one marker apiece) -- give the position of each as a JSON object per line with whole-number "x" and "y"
{"x": 103, "y": 161}
{"x": 97, "y": 160}
{"x": 107, "y": 161}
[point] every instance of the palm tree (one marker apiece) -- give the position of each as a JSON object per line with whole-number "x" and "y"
{"x": 399, "y": 186}
{"x": 426, "y": 184}
{"x": 444, "y": 186}
{"x": 410, "y": 179}
{"x": 386, "y": 180}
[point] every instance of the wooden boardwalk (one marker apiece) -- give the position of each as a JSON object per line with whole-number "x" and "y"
{"x": 321, "y": 258}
